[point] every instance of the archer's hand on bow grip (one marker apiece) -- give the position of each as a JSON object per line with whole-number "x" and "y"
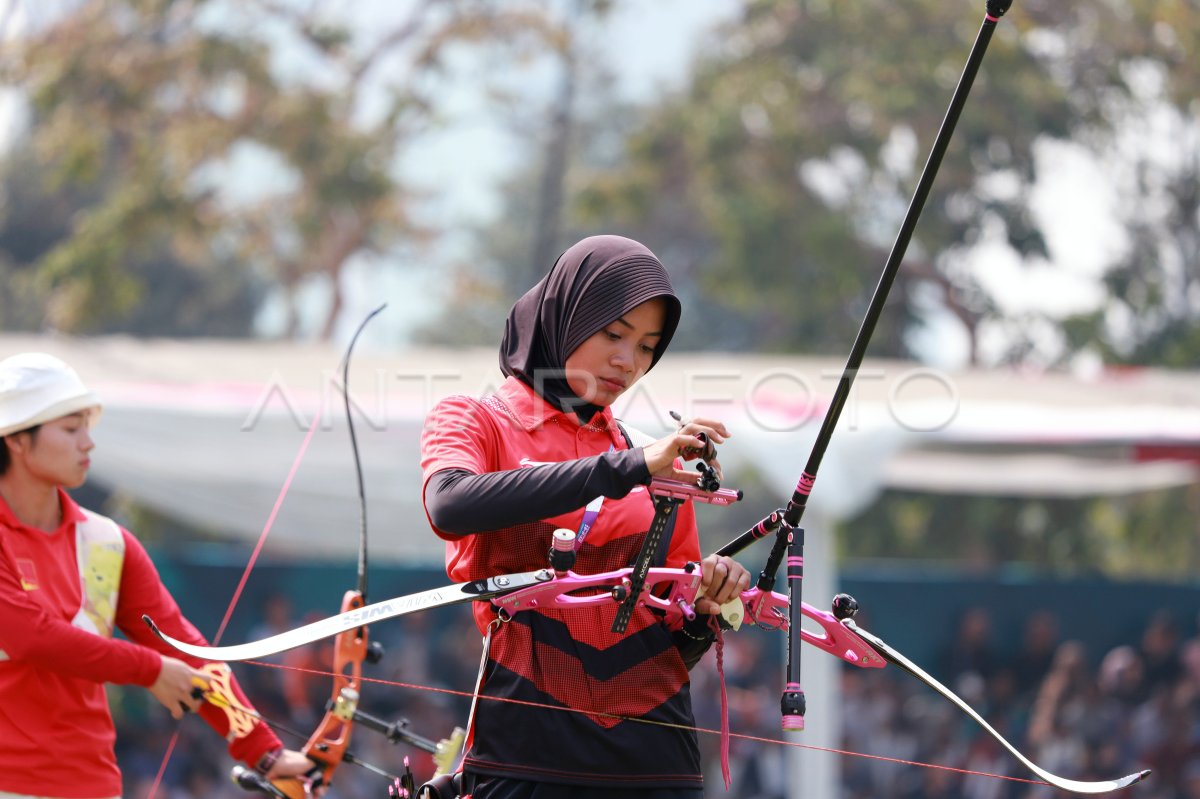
{"x": 287, "y": 782}
{"x": 723, "y": 581}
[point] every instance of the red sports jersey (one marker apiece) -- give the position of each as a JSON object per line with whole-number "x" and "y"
{"x": 54, "y": 720}
{"x": 566, "y": 659}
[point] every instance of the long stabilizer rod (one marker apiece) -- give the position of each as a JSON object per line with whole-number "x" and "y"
{"x": 799, "y": 501}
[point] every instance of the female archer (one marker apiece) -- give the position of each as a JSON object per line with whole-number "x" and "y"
{"x": 68, "y": 578}
{"x": 594, "y": 711}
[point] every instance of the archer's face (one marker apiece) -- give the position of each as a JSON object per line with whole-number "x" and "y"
{"x": 616, "y": 356}
{"x": 57, "y": 454}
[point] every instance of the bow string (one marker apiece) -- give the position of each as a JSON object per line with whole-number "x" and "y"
{"x": 673, "y": 592}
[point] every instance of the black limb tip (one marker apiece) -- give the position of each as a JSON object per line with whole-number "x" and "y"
{"x": 998, "y": 8}
{"x": 844, "y": 606}
{"x": 374, "y": 653}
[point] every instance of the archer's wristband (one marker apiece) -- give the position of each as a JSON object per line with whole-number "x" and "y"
{"x": 267, "y": 761}
{"x": 698, "y": 629}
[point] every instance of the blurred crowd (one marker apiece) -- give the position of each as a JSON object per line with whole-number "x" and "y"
{"x": 1138, "y": 707}
{"x": 1078, "y": 714}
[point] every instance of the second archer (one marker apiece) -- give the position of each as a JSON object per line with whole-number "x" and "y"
{"x": 69, "y": 578}
{"x": 544, "y": 452}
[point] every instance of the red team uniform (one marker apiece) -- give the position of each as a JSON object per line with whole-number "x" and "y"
{"x": 591, "y": 713}
{"x": 569, "y": 658}
{"x": 54, "y": 717}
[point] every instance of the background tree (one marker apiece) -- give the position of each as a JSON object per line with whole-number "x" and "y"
{"x": 793, "y": 153}
{"x": 1140, "y": 535}
{"x": 536, "y": 223}
{"x": 259, "y": 140}
{"x": 219, "y": 299}
{"x": 197, "y": 146}
{"x": 773, "y": 184}
{"x": 1139, "y": 87}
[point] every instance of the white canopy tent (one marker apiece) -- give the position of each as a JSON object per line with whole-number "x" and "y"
{"x": 208, "y": 431}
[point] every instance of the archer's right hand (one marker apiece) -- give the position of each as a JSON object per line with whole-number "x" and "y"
{"x": 176, "y": 686}
{"x": 683, "y": 443}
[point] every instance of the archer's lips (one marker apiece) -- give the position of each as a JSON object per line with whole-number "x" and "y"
{"x": 612, "y": 385}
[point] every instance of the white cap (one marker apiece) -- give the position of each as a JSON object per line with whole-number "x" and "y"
{"x": 36, "y": 388}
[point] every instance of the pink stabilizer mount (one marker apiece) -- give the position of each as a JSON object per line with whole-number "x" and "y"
{"x": 767, "y": 525}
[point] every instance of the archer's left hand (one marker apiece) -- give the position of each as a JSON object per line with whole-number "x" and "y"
{"x": 723, "y": 579}
{"x": 293, "y": 765}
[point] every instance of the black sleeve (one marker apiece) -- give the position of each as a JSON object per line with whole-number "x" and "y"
{"x": 462, "y": 503}
{"x": 693, "y": 640}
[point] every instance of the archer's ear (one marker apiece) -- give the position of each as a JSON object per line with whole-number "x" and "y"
{"x": 17, "y": 443}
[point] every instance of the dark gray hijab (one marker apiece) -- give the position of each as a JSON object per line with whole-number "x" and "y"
{"x": 592, "y": 284}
